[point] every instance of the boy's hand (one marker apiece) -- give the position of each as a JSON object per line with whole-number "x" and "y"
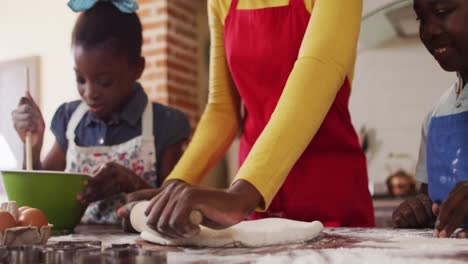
{"x": 28, "y": 118}
{"x": 453, "y": 212}
{"x": 462, "y": 233}
{"x": 416, "y": 212}
{"x": 169, "y": 210}
{"x": 109, "y": 179}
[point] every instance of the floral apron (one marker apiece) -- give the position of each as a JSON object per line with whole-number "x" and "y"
{"x": 137, "y": 154}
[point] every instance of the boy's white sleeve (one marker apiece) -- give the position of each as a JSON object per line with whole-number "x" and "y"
{"x": 421, "y": 168}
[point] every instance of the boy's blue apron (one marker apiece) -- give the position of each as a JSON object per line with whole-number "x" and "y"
{"x": 447, "y": 154}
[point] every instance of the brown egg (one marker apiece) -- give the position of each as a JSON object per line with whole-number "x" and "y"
{"x": 32, "y": 217}
{"x": 6, "y": 221}
{"x": 22, "y": 208}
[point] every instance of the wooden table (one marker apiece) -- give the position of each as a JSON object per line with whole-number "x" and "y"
{"x": 336, "y": 245}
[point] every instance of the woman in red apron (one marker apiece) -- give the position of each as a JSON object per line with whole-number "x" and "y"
{"x": 299, "y": 153}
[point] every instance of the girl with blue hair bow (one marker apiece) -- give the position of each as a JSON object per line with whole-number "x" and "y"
{"x": 114, "y": 133}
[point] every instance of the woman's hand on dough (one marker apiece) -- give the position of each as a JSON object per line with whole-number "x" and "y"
{"x": 169, "y": 211}
{"x": 414, "y": 212}
{"x": 134, "y": 197}
{"x": 109, "y": 179}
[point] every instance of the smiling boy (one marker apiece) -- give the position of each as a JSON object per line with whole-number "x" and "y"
{"x": 443, "y": 157}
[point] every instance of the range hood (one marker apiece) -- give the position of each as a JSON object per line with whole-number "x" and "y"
{"x": 394, "y": 20}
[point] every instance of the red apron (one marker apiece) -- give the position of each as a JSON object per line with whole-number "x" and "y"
{"x": 329, "y": 181}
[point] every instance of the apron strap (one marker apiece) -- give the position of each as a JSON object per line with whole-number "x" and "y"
{"x": 75, "y": 119}
{"x": 300, "y": 2}
{"x": 147, "y": 122}
{"x": 233, "y": 5}
{"x": 235, "y": 2}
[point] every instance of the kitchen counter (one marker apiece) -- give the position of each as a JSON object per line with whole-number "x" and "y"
{"x": 383, "y": 209}
{"x": 335, "y": 245}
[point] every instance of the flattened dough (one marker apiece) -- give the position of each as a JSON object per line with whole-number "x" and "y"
{"x": 258, "y": 233}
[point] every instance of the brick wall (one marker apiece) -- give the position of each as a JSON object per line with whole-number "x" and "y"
{"x": 176, "y": 40}
{"x": 171, "y": 51}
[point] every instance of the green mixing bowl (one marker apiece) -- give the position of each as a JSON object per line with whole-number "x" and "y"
{"x": 50, "y": 191}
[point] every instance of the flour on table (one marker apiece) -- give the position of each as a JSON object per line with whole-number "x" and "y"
{"x": 258, "y": 233}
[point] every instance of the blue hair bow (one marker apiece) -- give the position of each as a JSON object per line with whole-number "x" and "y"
{"x": 125, "y": 6}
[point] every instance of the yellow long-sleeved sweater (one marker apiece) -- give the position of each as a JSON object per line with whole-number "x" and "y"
{"x": 326, "y": 57}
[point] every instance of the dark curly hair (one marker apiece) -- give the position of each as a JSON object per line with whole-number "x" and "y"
{"x": 105, "y": 26}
